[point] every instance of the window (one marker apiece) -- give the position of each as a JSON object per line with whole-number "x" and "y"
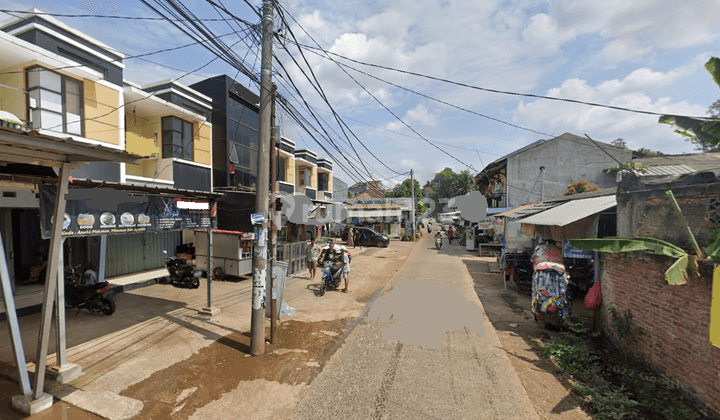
{"x": 177, "y": 138}
{"x": 56, "y": 101}
{"x": 323, "y": 179}
{"x": 280, "y": 173}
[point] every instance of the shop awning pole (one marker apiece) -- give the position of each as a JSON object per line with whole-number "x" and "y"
{"x": 60, "y": 310}
{"x": 209, "y": 265}
{"x": 50, "y": 281}
{"x": 15, "y": 337}
{"x": 103, "y": 258}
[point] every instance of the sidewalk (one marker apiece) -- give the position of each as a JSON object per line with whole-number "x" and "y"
{"x": 157, "y": 330}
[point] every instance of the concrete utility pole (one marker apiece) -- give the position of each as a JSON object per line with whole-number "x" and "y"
{"x": 272, "y": 238}
{"x": 412, "y": 186}
{"x": 257, "y": 329}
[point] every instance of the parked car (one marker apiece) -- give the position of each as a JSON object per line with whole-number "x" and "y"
{"x": 367, "y": 237}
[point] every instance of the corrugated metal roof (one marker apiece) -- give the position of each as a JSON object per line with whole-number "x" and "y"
{"x": 663, "y": 170}
{"x": 572, "y": 211}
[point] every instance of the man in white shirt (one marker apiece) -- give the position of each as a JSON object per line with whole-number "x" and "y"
{"x": 312, "y": 251}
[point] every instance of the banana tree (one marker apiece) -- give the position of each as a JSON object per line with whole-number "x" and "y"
{"x": 704, "y": 132}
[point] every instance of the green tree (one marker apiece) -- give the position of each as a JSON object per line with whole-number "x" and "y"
{"x": 447, "y": 184}
{"x": 643, "y": 152}
{"x": 404, "y": 190}
{"x": 703, "y": 133}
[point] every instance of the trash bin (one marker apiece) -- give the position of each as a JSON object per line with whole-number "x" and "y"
{"x": 280, "y": 272}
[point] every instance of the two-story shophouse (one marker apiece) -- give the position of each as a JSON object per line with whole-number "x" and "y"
{"x": 66, "y": 84}
{"x": 236, "y": 125}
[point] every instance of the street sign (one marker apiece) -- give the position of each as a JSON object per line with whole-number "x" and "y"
{"x": 257, "y": 218}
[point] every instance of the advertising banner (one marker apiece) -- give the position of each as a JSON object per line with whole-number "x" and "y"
{"x": 97, "y": 211}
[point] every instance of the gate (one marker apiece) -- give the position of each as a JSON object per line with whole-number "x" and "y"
{"x": 294, "y": 255}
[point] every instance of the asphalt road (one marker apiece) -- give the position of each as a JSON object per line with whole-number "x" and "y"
{"x": 425, "y": 351}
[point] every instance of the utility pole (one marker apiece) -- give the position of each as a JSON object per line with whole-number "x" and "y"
{"x": 412, "y": 186}
{"x": 272, "y": 238}
{"x": 257, "y": 328}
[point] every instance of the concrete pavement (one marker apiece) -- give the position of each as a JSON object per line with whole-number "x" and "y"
{"x": 157, "y": 336}
{"x": 156, "y": 358}
{"x": 372, "y": 377}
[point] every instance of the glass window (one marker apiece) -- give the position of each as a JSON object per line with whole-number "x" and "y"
{"x": 58, "y": 101}
{"x": 280, "y": 165}
{"x": 177, "y": 138}
{"x": 322, "y": 181}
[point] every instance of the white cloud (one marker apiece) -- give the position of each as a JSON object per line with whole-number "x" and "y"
{"x": 607, "y": 124}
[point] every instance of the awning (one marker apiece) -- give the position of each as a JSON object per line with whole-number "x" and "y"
{"x": 31, "y": 147}
{"x": 498, "y": 210}
{"x": 571, "y": 211}
{"x": 362, "y": 213}
{"x": 526, "y": 210}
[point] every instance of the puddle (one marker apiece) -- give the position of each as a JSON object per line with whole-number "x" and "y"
{"x": 300, "y": 351}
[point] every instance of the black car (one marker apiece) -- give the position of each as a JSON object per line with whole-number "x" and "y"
{"x": 367, "y": 237}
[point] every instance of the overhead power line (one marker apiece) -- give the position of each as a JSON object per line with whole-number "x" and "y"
{"x": 69, "y": 15}
{"x": 506, "y": 92}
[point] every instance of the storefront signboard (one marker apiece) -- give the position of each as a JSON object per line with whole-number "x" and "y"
{"x": 101, "y": 211}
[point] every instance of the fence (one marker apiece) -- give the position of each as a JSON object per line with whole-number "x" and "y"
{"x": 294, "y": 255}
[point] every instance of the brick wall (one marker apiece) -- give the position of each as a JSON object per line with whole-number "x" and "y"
{"x": 673, "y": 321}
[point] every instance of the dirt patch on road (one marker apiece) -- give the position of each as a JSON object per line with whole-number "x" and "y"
{"x": 300, "y": 352}
{"x": 509, "y": 312}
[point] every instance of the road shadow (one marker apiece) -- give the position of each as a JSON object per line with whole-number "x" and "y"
{"x": 134, "y": 311}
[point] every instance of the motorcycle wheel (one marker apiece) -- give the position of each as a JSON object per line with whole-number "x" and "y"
{"x": 195, "y": 283}
{"x": 322, "y": 287}
{"x": 108, "y": 307}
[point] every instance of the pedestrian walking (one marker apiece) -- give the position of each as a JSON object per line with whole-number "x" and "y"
{"x": 346, "y": 267}
{"x": 312, "y": 251}
{"x": 351, "y": 238}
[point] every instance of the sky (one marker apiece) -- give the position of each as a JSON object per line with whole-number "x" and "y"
{"x": 643, "y": 55}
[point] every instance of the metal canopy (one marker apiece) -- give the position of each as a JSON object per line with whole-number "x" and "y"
{"x": 571, "y": 211}
{"x": 31, "y": 147}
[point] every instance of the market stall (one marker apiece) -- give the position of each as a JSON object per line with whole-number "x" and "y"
{"x": 232, "y": 253}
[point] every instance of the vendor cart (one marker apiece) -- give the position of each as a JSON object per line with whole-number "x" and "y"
{"x": 232, "y": 253}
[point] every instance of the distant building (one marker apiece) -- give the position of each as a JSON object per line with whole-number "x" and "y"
{"x": 543, "y": 170}
{"x": 360, "y": 187}
{"x": 340, "y": 190}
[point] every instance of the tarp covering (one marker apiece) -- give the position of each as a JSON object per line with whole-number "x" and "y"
{"x": 572, "y": 211}
{"x": 676, "y": 274}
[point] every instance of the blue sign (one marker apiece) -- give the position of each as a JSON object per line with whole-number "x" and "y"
{"x": 571, "y": 252}
{"x": 257, "y": 218}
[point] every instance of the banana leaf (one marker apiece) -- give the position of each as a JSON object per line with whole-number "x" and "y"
{"x": 676, "y": 274}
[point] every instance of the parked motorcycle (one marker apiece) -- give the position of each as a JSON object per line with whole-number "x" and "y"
{"x": 182, "y": 274}
{"x": 429, "y": 229}
{"x": 438, "y": 243}
{"x": 331, "y": 277}
{"x": 96, "y": 297}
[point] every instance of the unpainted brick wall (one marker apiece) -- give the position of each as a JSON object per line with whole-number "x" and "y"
{"x": 673, "y": 321}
